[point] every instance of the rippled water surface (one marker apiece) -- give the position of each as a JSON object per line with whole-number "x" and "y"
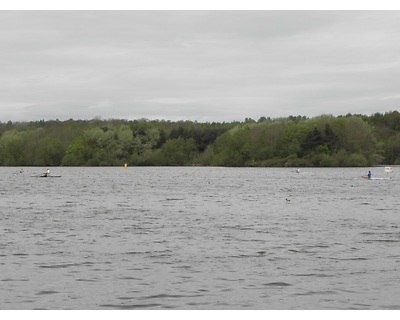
{"x": 199, "y": 238}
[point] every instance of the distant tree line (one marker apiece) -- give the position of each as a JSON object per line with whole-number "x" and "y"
{"x": 323, "y": 141}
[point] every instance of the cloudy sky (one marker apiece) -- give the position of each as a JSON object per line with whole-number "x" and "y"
{"x": 197, "y": 65}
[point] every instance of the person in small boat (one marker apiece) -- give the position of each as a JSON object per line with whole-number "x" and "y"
{"x": 369, "y": 175}
{"x": 47, "y": 173}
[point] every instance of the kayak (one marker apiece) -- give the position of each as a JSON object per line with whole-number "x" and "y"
{"x": 49, "y": 176}
{"x": 44, "y": 176}
{"x": 366, "y": 177}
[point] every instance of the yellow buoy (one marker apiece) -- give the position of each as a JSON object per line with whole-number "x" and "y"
{"x": 125, "y": 165}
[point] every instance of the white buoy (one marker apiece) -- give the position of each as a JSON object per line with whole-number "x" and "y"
{"x": 388, "y": 169}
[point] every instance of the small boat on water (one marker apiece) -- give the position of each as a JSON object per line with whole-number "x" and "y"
{"x": 375, "y": 178}
{"x": 45, "y": 176}
{"x": 388, "y": 170}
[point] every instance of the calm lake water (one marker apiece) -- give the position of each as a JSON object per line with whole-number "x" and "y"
{"x": 199, "y": 238}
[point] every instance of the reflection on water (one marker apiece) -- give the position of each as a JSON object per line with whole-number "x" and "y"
{"x": 199, "y": 238}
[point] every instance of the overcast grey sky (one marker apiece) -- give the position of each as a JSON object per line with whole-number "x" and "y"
{"x": 197, "y": 65}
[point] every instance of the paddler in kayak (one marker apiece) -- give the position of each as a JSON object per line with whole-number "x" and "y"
{"x": 47, "y": 173}
{"x": 369, "y": 175}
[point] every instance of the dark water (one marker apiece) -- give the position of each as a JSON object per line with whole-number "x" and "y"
{"x": 199, "y": 238}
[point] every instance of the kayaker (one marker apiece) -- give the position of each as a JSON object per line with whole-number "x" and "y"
{"x": 47, "y": 173}
{"x": 369, "y": 175}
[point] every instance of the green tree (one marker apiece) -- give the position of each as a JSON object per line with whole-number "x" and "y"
{"x": 50, "y": 152}
{"x": 330, "y": 137}
{"x": 357, "y": 137}
{"x": 177, "y": 152}
{"x": 144, "y": 140}
{"x": 12, "y": 146}
{"x": 313, "y": 139}
{"x": 357, "y": 160}
{"x": 229, "y": 148}
{"x": 77, "y": 153}
{"x": 391, "y": 149}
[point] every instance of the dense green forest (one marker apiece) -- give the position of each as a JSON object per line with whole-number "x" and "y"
{"x": 296, "y": 141}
